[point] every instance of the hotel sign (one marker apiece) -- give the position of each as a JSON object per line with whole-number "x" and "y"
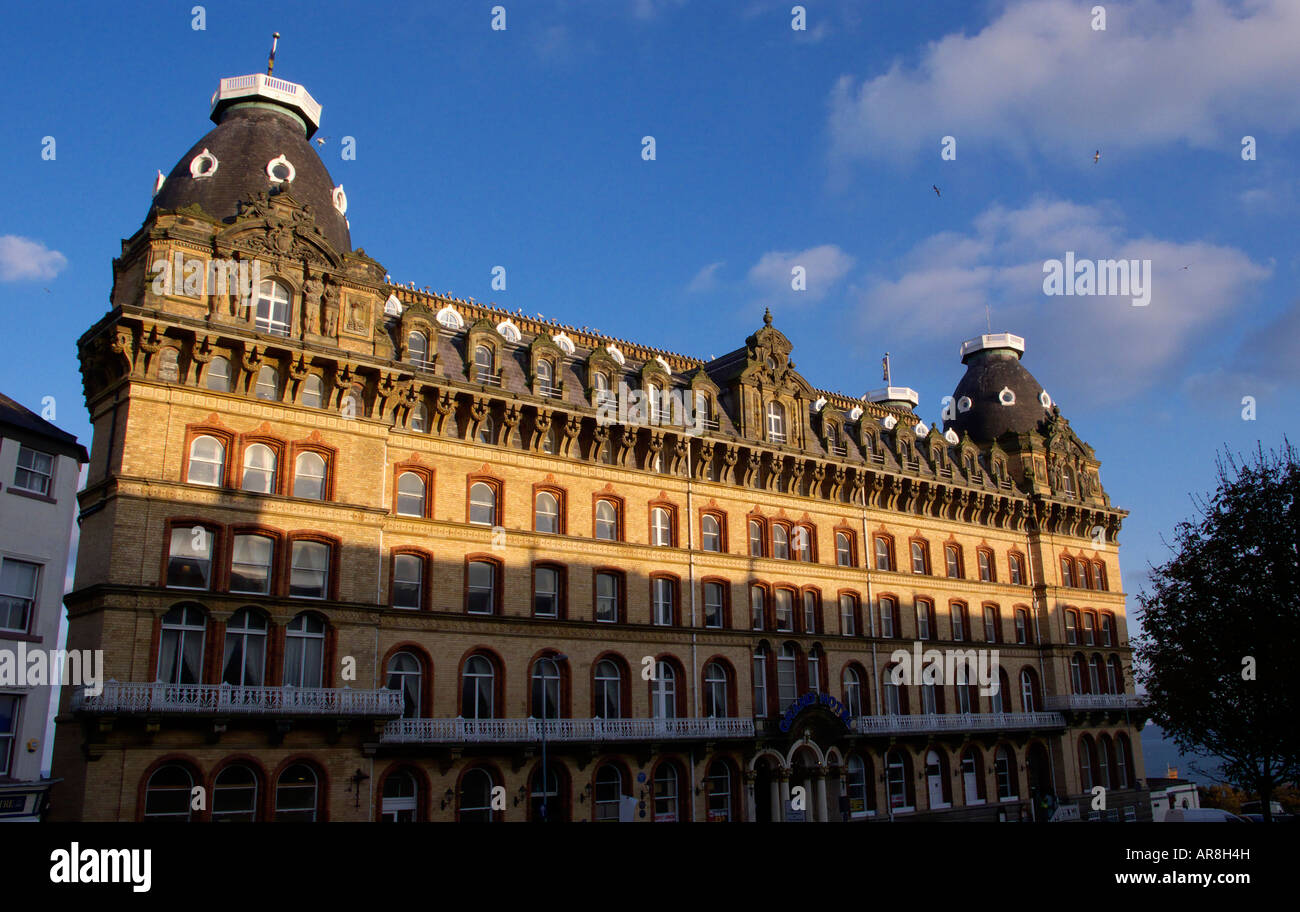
{"x": 812, "y": 698}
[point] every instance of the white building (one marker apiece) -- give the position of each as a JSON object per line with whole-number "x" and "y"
{"x": 39, "y": 470}
{"x": 1171, "y": 792}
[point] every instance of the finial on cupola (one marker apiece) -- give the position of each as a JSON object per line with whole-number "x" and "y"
{"x": 270, "y": 64}
{"x": 767, "y": 317}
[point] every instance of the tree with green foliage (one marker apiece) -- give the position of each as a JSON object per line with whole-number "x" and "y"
{"x": 1221, "y": 626}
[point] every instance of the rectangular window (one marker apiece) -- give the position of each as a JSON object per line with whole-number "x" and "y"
{"x": 848, "y": 609}
{"x": 755, "y": 540}
{"x": 918, "y": 558}
{"x": 712, "y": 604}
{"x": 810, "y": 612}
{"x": 546, "y": 592}
{"x": 986, "y": 566}
{"x": 784, "y": 611}
{"x": 760, "y": 686}
{"x": 886, "y": 618}
{"x": 309, "y": 573}
{"x": 990, "y": 624}
{"x": 1071, "y": 629}
{"x": 8, "y": 727}
{"x": 250, "y": 565}
{"x": 18, "y": 582}
{"x": 189, "y": 560}
{"x": 606, "y": 597}
{"x": 757, "y": 606}
{"x": 35, "y": 471}
{"x": 922, "y": 621}
{"x": 663, "y": 602}
{"x": 1017, "y": 575}
{"x": 482, "y": 587}
{"x": 1089, "y": 634}
{"x": 408, "y": 578}
{"x": 1022, "y": 628}
{"x": 958, "y": 623}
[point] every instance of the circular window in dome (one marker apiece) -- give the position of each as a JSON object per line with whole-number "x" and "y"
{"x": 1006, "y": 396}
{"x": 203, "y": 165}
{"x": 281, "y": 170}
{"x": 889, "y": 421}
{"x": 964, "y": 404}
{"x": 1045, "y": 399}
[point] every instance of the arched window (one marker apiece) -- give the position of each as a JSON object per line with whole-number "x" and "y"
{"x": 207, "y": 462}
{"x": 710, "y": 533}
{"x": 180, "y": 651}
{"x": 664, "y": 601}
{"x": 852, "y": 692}
{"x": 843, "y": 550}
{"x": 408, "y": 581}
{"x": 546, "y": 689}
{"x": 972, "y": 775}
{"x": 848, "y": 615}
{"x": 1071, "y": 627}
{"x": 1022, "y": 626}
{"x": 783, "y": 608}
{"x": 661, "y": 527}
{"x": 234, "y": 795}
{"x": 1017, "y": 570}
{"x": 304, "y": 651}
{"x": 780, "y": 543}
{"x": 958, "y": 621}
{"x": 312, "y": 391}
{"x": 776, "y": 422}
{"x": 898, "y": 780}
{"x": 666, "y": 793}
{"x": 1076, "y": 674}
{"x": 1088, "y": 772}
{"x": 353, "y": 405}
{"x": 607, "y": 590}
{"x": 217, "y": 377}
{"x": 760, "y": 681}
{"x": 478, "y": 689}
{"x": 757, "y": 607}
{"x": 755, "y": 538}
{"x": 715, "y": 691}
{"x": 167, "y": 794}
{"x": 244, "y": 664}
{"x": 544, "y": 792}
{"x": 811, "y": 621}
{"x": 296, "y": 794}
{"x": 482, "y": 504}
{"x": 608, "y": 793}
{"x": 608, "y": 690}
{"x": 606, "y": 521}
{"x": 1067, "y": 572}
{"x": 600, "y": 388}
{"x": 891, "y": 694}
{"x": 410, "y": 494}
{"x": 884, "y": 554}
{"x": 417, "y": 349}
{"x": 985, "y": 559}
{"x": 1103, "y": 760}
{"x": 1123, "y": 772}
{"x": 815, "y": 669}
{"x": 309, "y": 476}
{"x": 400, "y": 800}
{"x": 919, "y": 562}
{"x": 1028, "y": 691}
{"x": 268, "y": 384}
{"x": 272, "y": 308}
{"x": 547, "y": 515}
{"x": 714, "y": 604}
{"x": 1107, "y": 630}
{"x": 664, "y": 691}
{"x": 406, "y": 674}
{"x": 476, "y": 797}
{"x": 992, "y": 625}
{"x": 889, "y": 618}
{"x": 718, "y": 783}
{"x": 1089, "y": 628}
{"x": 924, "y": 620}
{"x": 801, "y": 544}
{"x": 259, "y": 469}
{"x": 545, "y": 377}
{"x": 1114, "y": 675}
{"x": 483, "y": 363}
{"x": 1096, "y": 676}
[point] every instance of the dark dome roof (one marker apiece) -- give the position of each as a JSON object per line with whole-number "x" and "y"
{"x": 989, "y": 371}
{"x": 245, "y": 141}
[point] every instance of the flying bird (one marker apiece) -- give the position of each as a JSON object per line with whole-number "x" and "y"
{"x": 936, "y": 190}
{"x": 321, "y": 140}
{"x": 1096, "y": 155}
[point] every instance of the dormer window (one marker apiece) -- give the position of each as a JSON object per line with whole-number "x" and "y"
{"x": 483, "y": 364}
{"x": 776, "y": 422}
{"x": 417, "y": 349}
{"x": 545, "y": 377}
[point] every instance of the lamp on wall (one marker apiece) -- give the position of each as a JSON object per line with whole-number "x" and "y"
{"x": 447, "y": 798}
{"x": 582, "y": 795}
{"x": 521, "y": 794}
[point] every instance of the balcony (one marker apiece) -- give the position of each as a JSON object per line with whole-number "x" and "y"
{"x": 226, "y": 699}
{"x": 487, "y": 378}
{"x": 1087, "y": 702}
{"x": 956, "y": 722}
{"x": 511, "y": 731}
{"x": 838, "y": 450}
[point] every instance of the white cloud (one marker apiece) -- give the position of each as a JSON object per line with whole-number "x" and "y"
{"x": 1110, "y": 348}
{"x": 21, "y": 258}
{"x": 706, "y": 279}
{"x": 824, "y": 267}
{"x": 1038, "y": 76}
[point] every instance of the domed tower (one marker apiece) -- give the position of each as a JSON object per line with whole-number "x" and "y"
{"x": 997, "y": 395}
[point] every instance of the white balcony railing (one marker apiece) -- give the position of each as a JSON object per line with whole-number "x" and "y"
{"x": 432, "y": 731}
{"x": 118, "y": 697}
{"x": 961, "y": 722}
{"x": 487, "y": 378}
{"x": 1095, "y": 701}
{"x": 235, "y": 87}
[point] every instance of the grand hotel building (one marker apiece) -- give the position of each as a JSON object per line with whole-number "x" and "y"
{"x": 359, "y": 552}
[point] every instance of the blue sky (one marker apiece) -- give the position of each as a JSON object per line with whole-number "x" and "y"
{"x": 774, "y": 148}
